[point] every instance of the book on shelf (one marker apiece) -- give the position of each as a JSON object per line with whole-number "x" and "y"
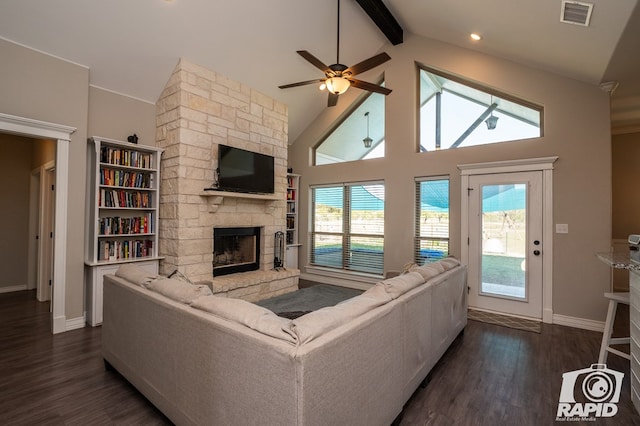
{"x": 125, "y": 157}
{"x": 114, "y": 177}
{"x": 125, "y": 225}
{"x": 120, "y": 198}
{"x": 113, "y": 250}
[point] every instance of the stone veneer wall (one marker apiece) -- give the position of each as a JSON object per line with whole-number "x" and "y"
{"x": 198, "y": 110}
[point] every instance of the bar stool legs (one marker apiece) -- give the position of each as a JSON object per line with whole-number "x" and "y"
{"x": 607, "y": 340}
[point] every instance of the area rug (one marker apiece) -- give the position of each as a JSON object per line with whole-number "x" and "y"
{"x": 505, "y": 321}
{"x": 305, "y": 300}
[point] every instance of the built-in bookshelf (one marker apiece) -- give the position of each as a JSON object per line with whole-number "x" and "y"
{"x": 292, "y": 233}
{"x": 122, "y": 213}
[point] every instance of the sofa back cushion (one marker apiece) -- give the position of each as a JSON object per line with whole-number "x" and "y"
{"x": 317, "y": 323}
{"x": 430, "y": 270}
{"x": 178, "y": 290}
{"x": 401, "y": 284}
{"x": 135, "y": 274}
{"x": 248, "y": 314}
{"x": 449, "y": 262}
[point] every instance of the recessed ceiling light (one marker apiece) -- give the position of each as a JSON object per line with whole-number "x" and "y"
{"x": 475, "y": 36}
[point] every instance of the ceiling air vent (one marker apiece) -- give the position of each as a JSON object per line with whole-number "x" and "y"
{"x": 574, "y": 12}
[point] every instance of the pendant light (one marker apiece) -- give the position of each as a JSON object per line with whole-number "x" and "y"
{"x": 492, "y": 120}
{"x": 367, "y": 141}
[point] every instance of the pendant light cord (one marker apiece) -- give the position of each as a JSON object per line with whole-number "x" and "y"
{"x": 338, "y": 38}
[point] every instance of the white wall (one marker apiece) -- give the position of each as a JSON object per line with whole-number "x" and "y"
{"x": 576, "y": 128}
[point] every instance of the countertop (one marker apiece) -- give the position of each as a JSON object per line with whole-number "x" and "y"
{"x": 618, "y": 260}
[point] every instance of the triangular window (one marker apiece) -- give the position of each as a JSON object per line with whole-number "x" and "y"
{"x": 346, "y": 141}
{"x": 455, "y": 113}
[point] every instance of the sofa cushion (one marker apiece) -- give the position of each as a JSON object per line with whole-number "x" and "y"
{"x": 317, "y": 323}
{"x": 399, "y": 285}
{"x": 179, "y": 291}
{"x": 449, "y": 262}
{"x": 253, "y": 316}
{"x": 428, "y": 271}
{"x": 136, "y": 274}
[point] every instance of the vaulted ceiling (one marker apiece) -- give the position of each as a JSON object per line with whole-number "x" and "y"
{"x": 131, "y": 47}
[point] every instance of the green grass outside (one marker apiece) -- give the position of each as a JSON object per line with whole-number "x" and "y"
{"x": 504, "y": 270}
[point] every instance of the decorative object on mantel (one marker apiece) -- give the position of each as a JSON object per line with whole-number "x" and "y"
{"x": 278, "y": 260}
{"x": 133, "y": 138}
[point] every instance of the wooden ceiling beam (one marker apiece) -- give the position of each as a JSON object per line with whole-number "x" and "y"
{"x": 383, "y": 18}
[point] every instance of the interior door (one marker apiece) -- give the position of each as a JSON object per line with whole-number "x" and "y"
{"x": 47, "y": 212}
{"x": 505, "y": 243}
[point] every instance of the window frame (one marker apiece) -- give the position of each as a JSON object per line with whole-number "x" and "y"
{"x": 474, "y": 85}
{"x": 344, "y": 116}
{"x": 346, "y": 235}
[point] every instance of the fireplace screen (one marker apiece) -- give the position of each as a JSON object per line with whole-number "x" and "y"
{"x": 235, "y": 250}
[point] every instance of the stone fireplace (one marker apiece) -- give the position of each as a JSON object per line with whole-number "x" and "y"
{"x": 235, "y": 250}
{"x": 198, "y": 110}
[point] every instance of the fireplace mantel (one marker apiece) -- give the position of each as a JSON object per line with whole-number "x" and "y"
{"x": 215, "y": 198}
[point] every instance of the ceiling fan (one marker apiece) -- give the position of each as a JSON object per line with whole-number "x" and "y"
{"x": 339, "y": 77}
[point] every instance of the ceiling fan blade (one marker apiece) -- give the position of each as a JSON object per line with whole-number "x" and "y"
{"x": 333, "y": 100}
{"x": 369, "y": 86}
{"x": 301, "y": 83}
{"x": 313, "y": 60}
{"x": 367, "y": 64}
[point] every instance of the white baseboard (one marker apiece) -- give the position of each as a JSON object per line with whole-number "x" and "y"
{"x": 582, "y": 323}
{"x": 12, "y": 288}
{"x": 339, "y": 282}
{"x": 75, "y": 323}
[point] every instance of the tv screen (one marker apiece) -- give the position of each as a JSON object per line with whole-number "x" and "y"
{"x": 244, "y": 171}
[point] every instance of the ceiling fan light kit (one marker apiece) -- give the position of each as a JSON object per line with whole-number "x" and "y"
{"x": 337, "y": 85}
{"x": 339, "y": 77}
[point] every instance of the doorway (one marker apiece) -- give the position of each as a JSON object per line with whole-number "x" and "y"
{"x": 62, "y": 135}
{"x": 507, "y": 238}
{"x": 505, "y": 243}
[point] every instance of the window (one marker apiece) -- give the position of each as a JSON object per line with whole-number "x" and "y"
{"x": 346, "y": 141}
{"x": 347, "y": 229}
{"x": 432, "y": 219}
{"x": 455, "y": 113}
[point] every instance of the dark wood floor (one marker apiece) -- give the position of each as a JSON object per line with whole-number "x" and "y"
{"x": 491, "y": 376}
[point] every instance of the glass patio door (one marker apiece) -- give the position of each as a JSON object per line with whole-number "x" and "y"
{"x": 505, "y": 243}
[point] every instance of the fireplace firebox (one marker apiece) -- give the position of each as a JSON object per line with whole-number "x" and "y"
{"x": 235, "y": 250}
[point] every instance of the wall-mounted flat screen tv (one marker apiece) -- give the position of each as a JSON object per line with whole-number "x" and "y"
{"x": 240, "y": 170}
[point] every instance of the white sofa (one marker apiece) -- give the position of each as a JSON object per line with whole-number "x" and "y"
{"x": 208, "y": 360}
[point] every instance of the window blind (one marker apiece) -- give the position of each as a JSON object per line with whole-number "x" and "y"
{"x": 365, "y": 245}
{"x": 431, "y": 219}
{"x": 348, "y": 227}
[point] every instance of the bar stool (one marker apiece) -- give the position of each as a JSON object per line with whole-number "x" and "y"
{"x": 607, "y": 340}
